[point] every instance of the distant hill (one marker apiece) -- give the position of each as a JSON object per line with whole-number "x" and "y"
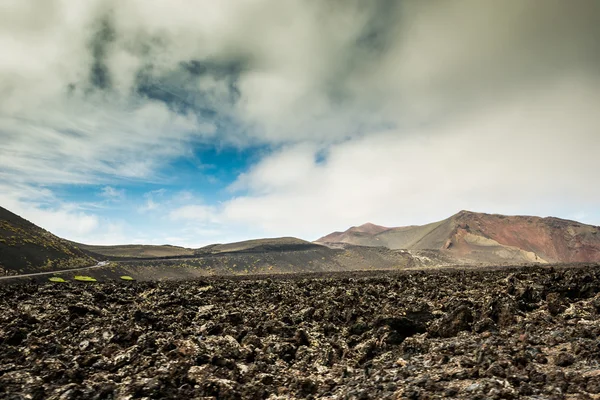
{"x": 259, "y": 245}
{"x": 291, "y": 260}
{"x": 487, "y": 238}
{"x": 464, "y": 238}
{"x": 27, "y": 248}
{"x": 141, "y": 251}
{"x": 354, "y": 234}
{"x": 135, "y": 251}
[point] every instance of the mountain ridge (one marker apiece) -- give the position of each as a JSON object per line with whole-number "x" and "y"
{"x": 26, "y": 248}
{"x": 481, "y": 237}
{"x": 465, "y": 238}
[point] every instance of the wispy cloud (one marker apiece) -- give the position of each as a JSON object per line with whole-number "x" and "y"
{"x": 42, "y": 207}
{"x": 152, "y": 200}
{"x": 112, "y": 193}
{"x": 196, "y": 213}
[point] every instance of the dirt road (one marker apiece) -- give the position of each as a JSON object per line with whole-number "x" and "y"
{"x": 100, "y": 264}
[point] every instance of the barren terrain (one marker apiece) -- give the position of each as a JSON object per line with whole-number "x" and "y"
{"x": 466, "y": 238}
{"x": 471, "y": 237}
{"x": 135, "y": 251}
{"x": 471, "y": 334}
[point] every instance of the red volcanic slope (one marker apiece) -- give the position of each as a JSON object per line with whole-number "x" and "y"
{"x": 488, "y": 238}
{"x": 552, "y": 239}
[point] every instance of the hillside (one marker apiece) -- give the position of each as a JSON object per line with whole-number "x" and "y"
{"x": 464, "y": 238}
{"x": 27, "y": 248}
{"x": 142, "y": 251}
{"x": 301, "y": 260}
{"x": 354, "y": 235}
{"x": 136, "y": 251}
{"x": 259, "y": 245}
{"x": 488, "y": 238}
{"x": 247, "y": 262}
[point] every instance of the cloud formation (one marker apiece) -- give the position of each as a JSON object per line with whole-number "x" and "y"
{"x": 485, "y": 163}
{"x": 394, "y": 112}
{"x": 112, "y": 194}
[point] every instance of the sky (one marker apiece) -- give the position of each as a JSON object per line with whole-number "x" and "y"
{"x": 196, "y": 122}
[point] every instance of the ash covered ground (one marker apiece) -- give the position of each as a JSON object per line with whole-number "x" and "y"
{"x": 513, "y": 333}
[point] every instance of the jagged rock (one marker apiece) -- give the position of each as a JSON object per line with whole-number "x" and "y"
{"x": 564, "y": 359}
{"x": 460, "y": 334}
{"x": 458, "y": 319}
{"x": 555, "y": 303}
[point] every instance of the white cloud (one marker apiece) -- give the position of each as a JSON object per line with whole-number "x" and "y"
{"x": 41, "y": 207}
{"x": 112, "y": 193}
{"x": 153, "y": 200}
{"x": 280, "y": 170}
{"x": 318, "y": 71}
{"x": 509, "y": 159}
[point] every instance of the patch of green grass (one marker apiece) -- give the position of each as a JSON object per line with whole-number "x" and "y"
{"x": 56, "y": 279}
{"x": 83, "y": 278}
{"x": 127, "y": 278}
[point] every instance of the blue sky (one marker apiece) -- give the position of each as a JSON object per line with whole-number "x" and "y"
{"x": 200, "y": 122}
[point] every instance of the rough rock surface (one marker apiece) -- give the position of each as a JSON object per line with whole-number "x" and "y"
{"x": 518, "y": 333}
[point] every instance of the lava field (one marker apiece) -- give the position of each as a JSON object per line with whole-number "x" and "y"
{"x": 499, "y": 334}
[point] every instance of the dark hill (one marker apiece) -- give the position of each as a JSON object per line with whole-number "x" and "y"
{"x": 146, "y": 252}
{"x": 127, "y": 251}
{"x": 282, "y": 244}
{"x": 27, "y": 248}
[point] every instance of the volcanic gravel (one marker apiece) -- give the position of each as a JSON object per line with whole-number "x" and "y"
{"x": 519, "y": 333}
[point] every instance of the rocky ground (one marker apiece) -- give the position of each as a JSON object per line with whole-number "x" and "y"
{"x": 516, "y": 333}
